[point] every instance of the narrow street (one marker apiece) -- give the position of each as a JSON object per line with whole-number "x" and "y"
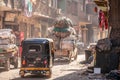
{"x": 33, "y": 32}
{"x": 62, "y": 70}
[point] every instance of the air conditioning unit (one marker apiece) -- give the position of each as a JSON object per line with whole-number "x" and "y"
{"x": 58, "y": 11}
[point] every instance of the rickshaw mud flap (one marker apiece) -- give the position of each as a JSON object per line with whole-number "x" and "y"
{"x": 32, "y": 69}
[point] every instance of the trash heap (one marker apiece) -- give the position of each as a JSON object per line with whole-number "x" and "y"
{"x": 107, "y": 54}
{"x": 7, "y": 40}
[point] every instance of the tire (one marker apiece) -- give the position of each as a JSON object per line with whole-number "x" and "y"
{"x": 70, "y": 56}
{"x": 7, "y": 64}
{"x": 75, "y": 58}
{"x": 50, "y": 74}
{"x": 16, "y": 62}
{"x": 22, "y": 74}
{"x": 52, "y": 59}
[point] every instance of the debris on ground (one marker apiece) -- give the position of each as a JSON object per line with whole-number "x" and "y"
{"x": 114, "y": 75}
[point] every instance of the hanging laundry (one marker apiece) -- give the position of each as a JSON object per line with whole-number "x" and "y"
{"x": 28, "y": 8}
{"x": 103, "y": 22}
{"x": 106, "y": 23}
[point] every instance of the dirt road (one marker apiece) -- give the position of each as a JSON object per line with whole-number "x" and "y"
{"x": 62, "y": 70}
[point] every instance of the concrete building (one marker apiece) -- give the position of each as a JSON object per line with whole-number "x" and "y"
{"x": 32, "y": 19}
{"x": 45, "y": 12}
{"x": 14, "y": 17}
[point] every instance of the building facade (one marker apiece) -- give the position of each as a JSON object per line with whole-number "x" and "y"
{"x": 31, "y": 17}
{"x": 75, "y": 10}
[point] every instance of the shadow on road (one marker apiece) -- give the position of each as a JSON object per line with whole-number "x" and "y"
{"x": 32, "y": 77}
{"x": 61, "y": 62}
{"x": 75, "y": 75}
{"x": 2, "y": 69}
{"x": 81, "y": 75}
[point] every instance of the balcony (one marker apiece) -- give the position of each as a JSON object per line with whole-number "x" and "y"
{"x": 10, "y": 5}
{"x": 42, "y": 9}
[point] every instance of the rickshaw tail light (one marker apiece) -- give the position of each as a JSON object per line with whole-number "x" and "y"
{"x": 23, "y": 62}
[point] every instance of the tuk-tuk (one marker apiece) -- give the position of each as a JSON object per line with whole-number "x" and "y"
{"x": 37, "y": 56}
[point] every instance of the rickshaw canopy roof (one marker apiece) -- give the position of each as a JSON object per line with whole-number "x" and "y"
{"x": 38, "y": 40}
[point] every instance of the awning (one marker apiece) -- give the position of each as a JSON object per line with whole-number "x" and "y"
{"x": 11, "y": 23}
{"x": 35, "y": 14}
{"x": 3, "y": 8}
{"x": 84, "y": 23}
{"x": 102, "y": 4}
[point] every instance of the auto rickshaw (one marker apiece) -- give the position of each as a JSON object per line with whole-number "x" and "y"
{"x": 37, "y": 56}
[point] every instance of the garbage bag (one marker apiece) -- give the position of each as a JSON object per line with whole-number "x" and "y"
{"x": 103, "y": 45}
{"x": 115, "y": 42}
{"x": 114, "y": 75}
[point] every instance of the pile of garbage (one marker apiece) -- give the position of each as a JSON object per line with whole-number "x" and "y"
{"x": 6, "y": 36}
{"x": 113, "y": 75}
{"x": 63, "y": 27}
{"x": 107, "y": 54}
{"x": 104, "y": 45}
{"x": 7, "y": 40}
{"x": 62, "y": 32}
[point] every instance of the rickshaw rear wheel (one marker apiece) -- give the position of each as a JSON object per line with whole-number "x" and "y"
{"x": 70, "y": 56}
{"x": 50, "y": 74}
{"x": 52, "y": 59}
{"x": 22, "y": 74}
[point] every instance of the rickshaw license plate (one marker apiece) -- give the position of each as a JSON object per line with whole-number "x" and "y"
{"x": 30, "y": 65}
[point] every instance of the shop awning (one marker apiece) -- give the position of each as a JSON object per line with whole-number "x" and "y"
{"x": 83, "y": 23}
{"x": 102, "y": 4}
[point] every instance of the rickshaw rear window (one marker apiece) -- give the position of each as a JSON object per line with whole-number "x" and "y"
{"x": 35, "y": 48}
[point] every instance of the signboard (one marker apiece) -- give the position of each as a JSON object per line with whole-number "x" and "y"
{"x": 10, "y": 16}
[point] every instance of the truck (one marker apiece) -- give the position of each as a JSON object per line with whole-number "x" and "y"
{"x": 64, "y": 36}
{"x": 9, "y": 52}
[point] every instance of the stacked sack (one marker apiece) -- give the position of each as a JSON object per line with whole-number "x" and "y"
{"x": 7, "y": 36}
{"x": 63, "y": 27}
{"x": 62, "y": 31}
{"x": 7, "y": 40}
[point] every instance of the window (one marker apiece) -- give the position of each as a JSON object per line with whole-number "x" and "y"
{"x": 69, "y": 7}
{"x": 74, "y": 8}
{"x": 35, "y": 48}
